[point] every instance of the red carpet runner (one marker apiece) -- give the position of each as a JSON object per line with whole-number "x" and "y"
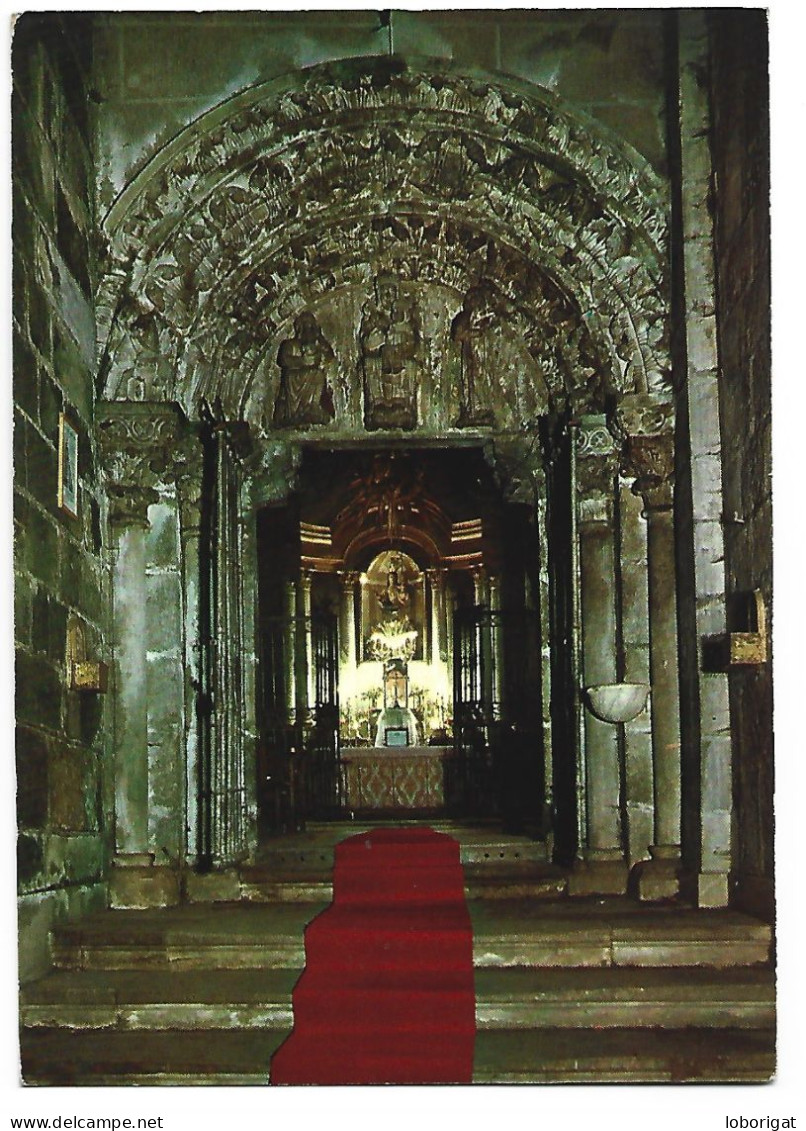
{"x": 387, "y": 993}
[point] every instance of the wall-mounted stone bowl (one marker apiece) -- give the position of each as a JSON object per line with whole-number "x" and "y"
{"x": 617, "y": 702}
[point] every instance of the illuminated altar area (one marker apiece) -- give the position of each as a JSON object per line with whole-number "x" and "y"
{"x": 367, "y": 577}
{"x": 396, "y": 693}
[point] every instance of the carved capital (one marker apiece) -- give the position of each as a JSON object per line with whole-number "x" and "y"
{"x": 137, "y": 441}
{"x": 651, "y": 459}
{"x": 128, "y": 505}
{"x": 597, "y": 463}
{"x": 646, "y": 424}
{"x": 643, "y": 415}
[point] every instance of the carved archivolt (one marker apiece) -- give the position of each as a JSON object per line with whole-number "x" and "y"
{"x": 289, "y": 195}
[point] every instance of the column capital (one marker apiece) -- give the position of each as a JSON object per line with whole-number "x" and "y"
{"x": 646, "y": 424}
{"x": 128, "y": 504}
{"x": 597, "y": 458}
{"x": 137, "y": 441}
{"x": 651, "y": 460}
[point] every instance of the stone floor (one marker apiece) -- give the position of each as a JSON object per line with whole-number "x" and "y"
{"x": 567, "y": 990}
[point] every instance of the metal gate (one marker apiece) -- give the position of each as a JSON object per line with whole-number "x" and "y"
{"x": 299, "y": 767}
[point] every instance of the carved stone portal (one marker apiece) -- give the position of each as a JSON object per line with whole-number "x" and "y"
{"x": 305, "y": 397}
{"x": 389, "y": 340}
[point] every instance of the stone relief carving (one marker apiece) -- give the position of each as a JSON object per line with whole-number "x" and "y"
{"x": 389, "y": 342}
{"x": 137, "y": 442}
{"x": 305, "y": 395}
{"x": 475, "y": 332}
{"x": 597, "y": 230}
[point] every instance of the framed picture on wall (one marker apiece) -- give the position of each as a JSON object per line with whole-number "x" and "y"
{"x": 68, "y": 466}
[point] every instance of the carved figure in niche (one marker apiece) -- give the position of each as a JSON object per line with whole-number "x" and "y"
{"x": 305, "y": 397}
{"x": 389, "y": 340}
{"x": 474, "y": 330}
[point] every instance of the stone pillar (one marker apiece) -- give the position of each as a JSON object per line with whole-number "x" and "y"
{"x": 349, "y": 653}
{"x": 436, "y": 589}
{"x": 129, "y": 521}
{"x": 650, "y": 454}
{"x": 602, "y": 868}
{"x": 137, "y": 442}
{"x": 304, "y": 649}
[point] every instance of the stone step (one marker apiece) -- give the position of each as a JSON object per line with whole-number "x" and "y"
{"x": 573, "y": 1056}
{"x": 110, "y": 1058}
{"x": 505, "y": 998}
{"x": 563, "y": 933}
{"x": 528, "y": 880}
{"x": 621, "y": 1056}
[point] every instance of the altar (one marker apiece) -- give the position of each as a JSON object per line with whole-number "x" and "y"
{"x": 387, "y": 779}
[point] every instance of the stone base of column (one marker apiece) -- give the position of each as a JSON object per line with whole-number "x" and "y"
{"x": 134, "y": 882}
{"x": 213, "y": 887}
{"x": 658, "y": 878}
{"x": 602, "y": 871}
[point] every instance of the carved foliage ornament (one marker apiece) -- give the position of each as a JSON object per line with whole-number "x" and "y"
{"x": 215, "y": 198}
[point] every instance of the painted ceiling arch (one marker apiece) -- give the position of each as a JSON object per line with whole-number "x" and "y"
{"x": 299, "y": 195}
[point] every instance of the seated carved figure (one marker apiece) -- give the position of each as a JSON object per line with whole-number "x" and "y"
{"x": 389, "y": 339}
{"x": 305, "y": 397}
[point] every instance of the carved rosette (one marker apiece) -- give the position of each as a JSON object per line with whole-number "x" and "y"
{"x": 137, "y": 442}
{"x": 647, "y": 426}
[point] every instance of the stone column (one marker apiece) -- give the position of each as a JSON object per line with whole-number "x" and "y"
{"x": 129, "y": 521}
{"x": 650, "y": 454}
{"x": 603, "y": 868}
{"x": 304, "y": 649}
{"x": 349, "y": 653}
{"x": 136, "y": 443}
{"x": 435, "y": 589}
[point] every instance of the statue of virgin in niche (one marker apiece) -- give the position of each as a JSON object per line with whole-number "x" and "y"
{"x": 305, "y": 397}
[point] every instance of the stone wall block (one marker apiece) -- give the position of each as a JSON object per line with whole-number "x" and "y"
{"x": 32, "y": 778}
{"x": 25, "y": 377}
{"x": 38, "y": 692}
{"x": 716, "y": 766}
{"x": 164, "y": 602}
{"x": 162, "y": 537}
{"x": 702, "y": 350}
{"x": 68, "y": 801}
{"x": 716, "y": 839}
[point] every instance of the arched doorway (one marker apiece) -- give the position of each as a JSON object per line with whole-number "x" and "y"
{"x": 385, "y": 255}
{"x": 425, "y": 581}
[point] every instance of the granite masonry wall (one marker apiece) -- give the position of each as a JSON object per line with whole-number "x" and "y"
{"x": 156, "y": 72}
{"x": 740, "y": 143}
{"x": 62, "y": 790}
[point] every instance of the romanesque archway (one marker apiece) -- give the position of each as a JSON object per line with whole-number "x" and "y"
{"x": 520, "y": 257}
